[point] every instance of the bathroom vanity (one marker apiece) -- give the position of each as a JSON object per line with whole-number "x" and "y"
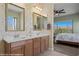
{"x": 27, "y": 44}
{"x": 27, "y": 47}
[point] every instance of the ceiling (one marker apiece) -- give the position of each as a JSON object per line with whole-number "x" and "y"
{"x": 70, "y": 8}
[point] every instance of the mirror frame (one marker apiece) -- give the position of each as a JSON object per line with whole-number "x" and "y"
{"x": 33, "y": 21}
{"x": 6, "y": 29}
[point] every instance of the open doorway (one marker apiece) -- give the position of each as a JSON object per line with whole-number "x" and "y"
{"x": 66, "y": 28}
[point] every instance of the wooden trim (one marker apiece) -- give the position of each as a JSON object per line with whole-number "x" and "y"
{"x": 67, "y": 42}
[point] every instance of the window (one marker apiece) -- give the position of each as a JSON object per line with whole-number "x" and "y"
{"x": 63, "y": 26}
{"x": 11, "y": 23}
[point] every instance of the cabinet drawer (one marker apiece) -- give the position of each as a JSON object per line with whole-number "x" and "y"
{"x": 36, "y": 40}
{"x": 29, "y": 41}
{"x": 17, "y": 51}
{"x": 45, "y": 37}
{"x": 15, "y": 44}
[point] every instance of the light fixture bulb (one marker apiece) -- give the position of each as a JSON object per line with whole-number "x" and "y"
{"x": 38, "y": 8}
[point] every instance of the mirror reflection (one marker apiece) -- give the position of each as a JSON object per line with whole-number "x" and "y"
{"x": 39, "y": 22}
{"x": 14, "y": 17}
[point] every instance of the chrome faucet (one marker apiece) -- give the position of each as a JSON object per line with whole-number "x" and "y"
{"x": 16, "y": 35}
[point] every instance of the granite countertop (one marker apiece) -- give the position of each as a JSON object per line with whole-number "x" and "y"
{"x": 9, "y": 39}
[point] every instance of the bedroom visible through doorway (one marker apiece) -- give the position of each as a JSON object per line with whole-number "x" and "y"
{"x": 66, "y": 28}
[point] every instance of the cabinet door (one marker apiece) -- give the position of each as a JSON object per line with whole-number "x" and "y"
{"x": 29, "y": 48}
{"x": 42, "y": 44}
{"x": 17, "y": 51}
{"x": 46, "y": 43}
{"x": 36, "y": 51}
{"x": 36, "y": 43}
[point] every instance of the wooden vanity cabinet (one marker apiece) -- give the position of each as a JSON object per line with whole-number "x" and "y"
{"x": 22, "y": 48}
{"x": 29, "y": 48}
{"x": 36, "y": 46}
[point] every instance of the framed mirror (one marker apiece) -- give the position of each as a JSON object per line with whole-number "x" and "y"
{"x": 39, "y": 22}
{"x": 14, "y": 17}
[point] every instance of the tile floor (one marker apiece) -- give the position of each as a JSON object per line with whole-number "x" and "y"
{"x": 52, "y": 53}
{"x": 67, "y": 49}
{"x": 62, "y": 50}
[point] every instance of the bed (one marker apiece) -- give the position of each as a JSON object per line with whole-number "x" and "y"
{"x": 68, "y": 38}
